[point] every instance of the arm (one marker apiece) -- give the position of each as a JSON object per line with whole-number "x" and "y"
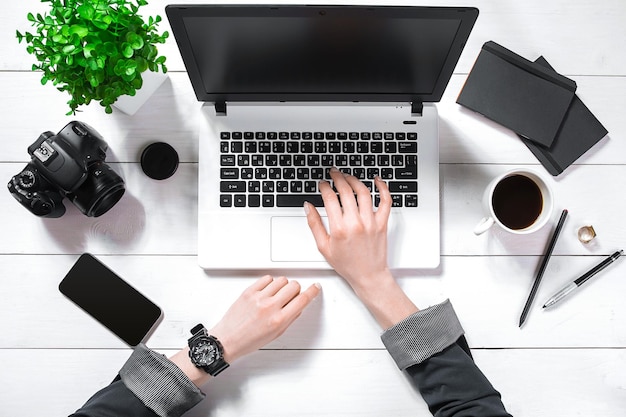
{"x": 428, "y": 344}
{"x": 151, "y": 385}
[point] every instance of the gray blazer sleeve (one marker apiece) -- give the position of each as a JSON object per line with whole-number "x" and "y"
{"x": 148, "y": 385}
{"x": 430, "y": 347}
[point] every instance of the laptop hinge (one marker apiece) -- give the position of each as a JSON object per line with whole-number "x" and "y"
{"x": 220, "y": 108}
{"x": 417, "y": 107}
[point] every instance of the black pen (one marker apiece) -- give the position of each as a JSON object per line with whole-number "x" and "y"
{"x": 542, "y": 268}
{"x": 580, "y": 281}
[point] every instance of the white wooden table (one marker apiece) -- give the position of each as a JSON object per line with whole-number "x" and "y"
{"x": 564, "y": 362}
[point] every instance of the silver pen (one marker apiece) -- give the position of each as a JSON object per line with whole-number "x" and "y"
{"x": 580, "y": 281}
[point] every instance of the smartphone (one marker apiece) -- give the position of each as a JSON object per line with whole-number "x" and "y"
{"x": 110, "y": 300}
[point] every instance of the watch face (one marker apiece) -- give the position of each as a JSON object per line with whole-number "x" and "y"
{"x": 204, "y": 353}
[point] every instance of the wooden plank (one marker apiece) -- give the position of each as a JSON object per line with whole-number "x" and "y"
{"x": 161, "y": 217}
{"x": 329, "y": 383}
{"x": 173, "y": 115}
{"x": 487, "y": 292}
{"x": 531, "y": 29}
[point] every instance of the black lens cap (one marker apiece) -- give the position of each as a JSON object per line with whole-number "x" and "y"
{"x": 159, "y": 160}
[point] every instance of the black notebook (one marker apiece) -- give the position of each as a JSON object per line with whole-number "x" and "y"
{"x": 579, "y": 131}
{"x": 519, "y": 94}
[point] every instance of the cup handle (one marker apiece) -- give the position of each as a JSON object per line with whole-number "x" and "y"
{"x": 483, "y": 225}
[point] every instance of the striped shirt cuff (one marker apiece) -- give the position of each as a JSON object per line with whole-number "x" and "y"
{"x": 422, "y": 335}
{"x": 159, "y": 383}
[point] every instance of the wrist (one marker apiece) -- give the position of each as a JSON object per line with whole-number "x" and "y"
{"x": 386, "y": 301}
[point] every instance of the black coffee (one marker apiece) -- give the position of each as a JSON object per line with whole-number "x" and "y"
{"x": 517, "y": 202}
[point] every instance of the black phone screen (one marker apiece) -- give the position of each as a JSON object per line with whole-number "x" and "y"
{"x": 110, "y": 300}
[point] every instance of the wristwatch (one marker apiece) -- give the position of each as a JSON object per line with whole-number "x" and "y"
{"x": 206, "y": 352}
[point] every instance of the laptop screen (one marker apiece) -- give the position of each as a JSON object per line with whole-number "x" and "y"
{"x": 313, "y": 53}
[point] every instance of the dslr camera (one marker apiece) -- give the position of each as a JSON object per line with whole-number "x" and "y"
{"x": 69, "y": 164}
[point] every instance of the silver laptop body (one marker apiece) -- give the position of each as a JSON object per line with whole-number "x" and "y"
{"x": 289, "y": 91}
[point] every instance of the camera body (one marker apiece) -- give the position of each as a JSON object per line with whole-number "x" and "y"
{"x": 69, "y": 164}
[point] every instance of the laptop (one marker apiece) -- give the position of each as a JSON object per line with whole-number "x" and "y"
{"x": 289, "y": 91}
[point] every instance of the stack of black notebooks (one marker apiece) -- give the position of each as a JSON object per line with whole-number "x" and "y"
{"x": 535, "y": 102}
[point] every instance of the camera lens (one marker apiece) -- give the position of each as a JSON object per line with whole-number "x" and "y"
{"x": 100, "y": 191}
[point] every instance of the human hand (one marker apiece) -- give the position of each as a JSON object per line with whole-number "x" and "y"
{"x": 355, "y": 244}
{"x": 261, "y": 314}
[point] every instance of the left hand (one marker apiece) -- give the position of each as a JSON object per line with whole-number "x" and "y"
{"x": 261, "y": 314}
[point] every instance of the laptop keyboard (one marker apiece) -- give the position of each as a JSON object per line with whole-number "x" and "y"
{"x": 283, "y": 169}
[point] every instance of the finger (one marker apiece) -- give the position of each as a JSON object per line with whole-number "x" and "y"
{"x": 287, "y": 293}
{"x": 384, "y": 207}
{"x": 346, "y": 194}
{"x": 299, "y": 302}
{"x": 320, "y": 234}
{"x": 331, "y": 202}
{"x": 273, "y": 287}
{"x": 261, "y": 283}
{"x": 363, "y": 196}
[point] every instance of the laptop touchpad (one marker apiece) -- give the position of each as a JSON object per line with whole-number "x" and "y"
{"x": 292, "y": 241}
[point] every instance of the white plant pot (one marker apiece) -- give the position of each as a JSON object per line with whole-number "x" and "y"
{"x": 130, "y": 104}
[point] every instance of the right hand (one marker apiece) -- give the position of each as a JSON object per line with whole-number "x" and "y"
{"x": 356, "y": 245}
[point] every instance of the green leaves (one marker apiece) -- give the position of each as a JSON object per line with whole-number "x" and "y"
{"x": 94, "y": 49}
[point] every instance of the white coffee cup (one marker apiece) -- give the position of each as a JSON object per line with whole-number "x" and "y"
{"x": 519, "y": 201}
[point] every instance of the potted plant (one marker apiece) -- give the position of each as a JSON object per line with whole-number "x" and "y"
{"x": 94, "y": 49}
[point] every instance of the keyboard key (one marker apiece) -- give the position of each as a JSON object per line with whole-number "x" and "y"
{"x": 265, "y": 147}
{"x": 274, "y": 173}
{"x": 243, "y": 160}
{"x": 250, "y": 147}
{"x": 227, "y": 160}
{"x": 289, "y": 173}
{"x": 247, "y": 173}
{"x": 226, "y": 200}
{"x": 410, "y": 200}
{"x": 396, "y": 200}
{"x": 407, "y": 147}
{"x": 297, "y": 200}
{"x": 257, "y": 160}
{"x": 285, "y": 160}
{"x": 296, "y": 186}
{"x": 232, "y": 186}
{"x": 411, "y": 136}
{"x": 402, "y": 186}
{"x": 310, "y": 186}
{"x": 224, "y": 135}
{"x": 237, "y": 135}
{"x": 306, "y": 147}
{"x": 229, "y": 173}
{"x": 278, "y": 147}
{"x": 299, "y": 160}
{"x": 254, "y": 200}
{"x": 268, "y": 186}
{"x": 267, "y": 200}
{"x": 282, "y": 186}
{"x": 254, "y": 186}
{"x": 409, "y": 173}
{"x": 292, "y": 146}
{"x": 239, "y": 200}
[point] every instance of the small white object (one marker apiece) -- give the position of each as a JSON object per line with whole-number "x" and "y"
{"x": 130, "y": 104}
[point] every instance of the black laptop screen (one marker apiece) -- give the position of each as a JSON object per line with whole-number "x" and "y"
{"x": 313, "y": 53}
